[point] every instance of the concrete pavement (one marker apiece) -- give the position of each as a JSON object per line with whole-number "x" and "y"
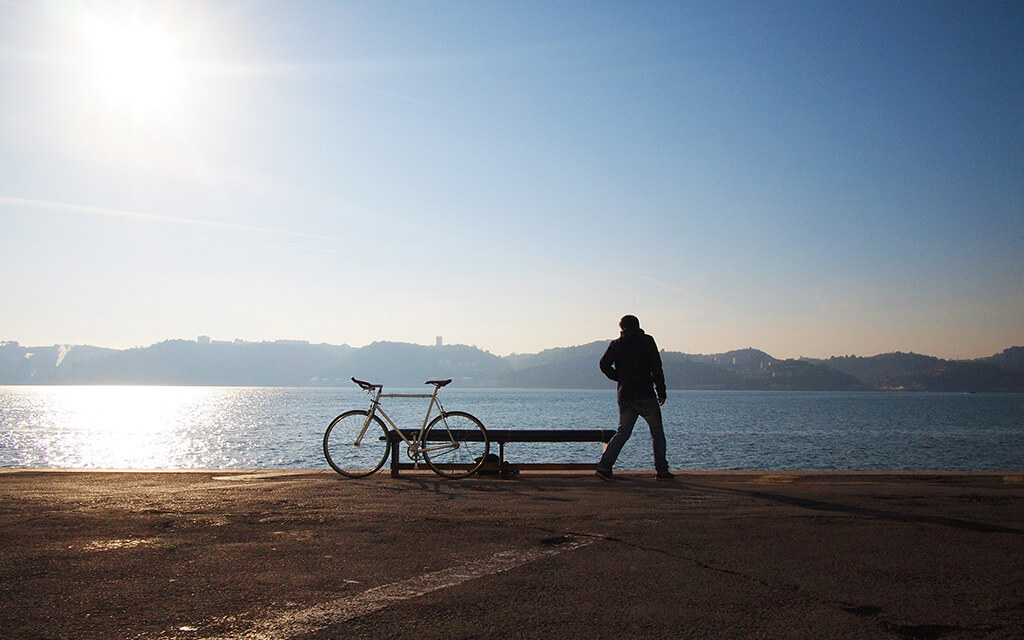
{"x": 308, "y": 554}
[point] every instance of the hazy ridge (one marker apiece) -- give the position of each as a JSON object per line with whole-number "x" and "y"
{"x": 297, "y": 363}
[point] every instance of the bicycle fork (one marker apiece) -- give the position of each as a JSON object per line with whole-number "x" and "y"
{"x": 374, "y": 403}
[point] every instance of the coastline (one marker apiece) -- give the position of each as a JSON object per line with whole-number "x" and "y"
{"x": 1011, "y": 476}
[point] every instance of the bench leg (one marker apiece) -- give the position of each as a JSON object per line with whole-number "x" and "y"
{"x": 394, "y": 456}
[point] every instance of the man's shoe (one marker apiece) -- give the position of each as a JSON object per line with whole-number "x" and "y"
{"x": 664, "y": 475}
{"x": 604, "y": 474}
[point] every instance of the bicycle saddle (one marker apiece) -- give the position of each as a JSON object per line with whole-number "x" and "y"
{"x": 366, "y": 385}
{"x": 439, "y": 383}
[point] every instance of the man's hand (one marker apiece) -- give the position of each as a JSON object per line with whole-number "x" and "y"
{"x": 661, "y": 400}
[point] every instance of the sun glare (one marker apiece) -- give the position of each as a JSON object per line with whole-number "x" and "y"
{"x": 136, "y": 67}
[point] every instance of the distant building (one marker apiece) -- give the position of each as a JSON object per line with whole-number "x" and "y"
{"x": 439, "y": 341}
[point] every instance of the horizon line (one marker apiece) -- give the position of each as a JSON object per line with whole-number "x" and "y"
{"x": 511, "y": 354}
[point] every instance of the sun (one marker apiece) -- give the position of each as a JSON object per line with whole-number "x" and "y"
{"x": 136, "y": 67}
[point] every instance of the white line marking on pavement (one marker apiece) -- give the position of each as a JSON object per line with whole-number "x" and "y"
{"x": 288, "y": 624}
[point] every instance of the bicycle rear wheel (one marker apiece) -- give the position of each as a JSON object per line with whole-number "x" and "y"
{"x": 349, "y": 457}
{"x": 455, "y": 444}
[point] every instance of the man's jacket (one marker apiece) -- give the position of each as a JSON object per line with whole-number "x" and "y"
{"x": 633, "y": 361}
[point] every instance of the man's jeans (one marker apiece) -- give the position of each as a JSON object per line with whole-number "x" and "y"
{"x": 629, "y": 411}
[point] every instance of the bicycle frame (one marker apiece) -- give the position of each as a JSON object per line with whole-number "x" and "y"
{"x": 417, "y": 445}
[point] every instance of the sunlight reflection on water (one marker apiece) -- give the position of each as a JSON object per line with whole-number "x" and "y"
{"x": 111, "y": 427}
{"x": 150, "y": 427}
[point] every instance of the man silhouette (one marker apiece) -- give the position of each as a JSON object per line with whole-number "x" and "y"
{"x": 634, "y": 363}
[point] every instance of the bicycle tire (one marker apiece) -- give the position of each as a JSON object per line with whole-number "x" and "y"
{"x": 341, "y": 451}
{"x": 461, "y": 456}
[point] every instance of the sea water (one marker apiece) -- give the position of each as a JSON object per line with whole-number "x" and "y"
{"x": 138, "y": 427}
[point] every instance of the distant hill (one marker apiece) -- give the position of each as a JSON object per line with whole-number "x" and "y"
{"x": 37, "y": 365}
{"x": 689, "y": 372}
{"x": 396, "y": 363}
{"x": 1012, "y": 359}
{"x": 913, "y": 372}
{"x": 563, "y": 368}
{"x": 879, "y": 372}
{"x": 297, "y": 363}
{"x": 576, "y": 368}
{"x": 174, "y": 362}
{"x": 961, "y": 376}
{"x": 745, "y": 362}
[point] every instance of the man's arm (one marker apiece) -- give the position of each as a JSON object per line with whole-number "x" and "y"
{"x": 608, "y": 363}
{"x": 658, "y": 373}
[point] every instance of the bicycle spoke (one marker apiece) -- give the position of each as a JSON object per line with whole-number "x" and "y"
{"x": 456, "y": 444}
{"x": 354, "y": 448}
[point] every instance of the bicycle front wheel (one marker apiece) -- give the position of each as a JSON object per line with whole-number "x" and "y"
{"x": 455, "y": 444}
{"x": 353, "y": 451}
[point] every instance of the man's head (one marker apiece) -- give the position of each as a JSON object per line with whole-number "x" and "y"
{"x": 629, "y": 323}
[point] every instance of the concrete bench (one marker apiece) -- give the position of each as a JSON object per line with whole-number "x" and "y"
{"x": 503, "y": 437}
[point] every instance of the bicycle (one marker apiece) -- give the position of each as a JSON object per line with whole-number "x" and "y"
{"x": 454, "y": 444}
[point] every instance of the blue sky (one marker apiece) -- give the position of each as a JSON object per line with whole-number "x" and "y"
{"x": 811, "y": 179}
